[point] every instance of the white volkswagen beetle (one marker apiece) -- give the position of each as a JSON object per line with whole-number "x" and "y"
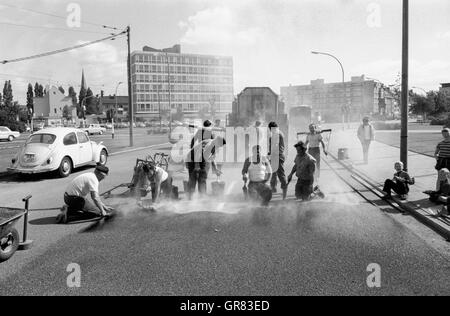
{"x": 58, "y": 149}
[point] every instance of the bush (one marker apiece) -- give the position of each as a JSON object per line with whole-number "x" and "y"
{"x": 17, "y": 127}
{"x": 441, "y": 120}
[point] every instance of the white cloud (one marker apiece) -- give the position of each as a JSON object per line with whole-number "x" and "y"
{"x": 443, "y": 35}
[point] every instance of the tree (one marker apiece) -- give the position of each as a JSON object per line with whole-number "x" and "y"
{"x": 36, "y": 89}
{"x": 67, "y": 113}
{"x": 40, "y": 91}
{"x": 30, "y": 102}
{"x": 421, "y": 105}
{"x": 81, "y": 97}
{"x": 61, "y": 89}
{"x": 7, "y": 95}
{"x": 90, "y": 102}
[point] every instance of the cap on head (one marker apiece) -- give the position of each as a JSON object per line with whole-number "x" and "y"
{"x": 446, "y": 130}
{"x": 366, "y": 119}
{"x": 301, "y": 145}
{"x": 102, "y": 169}
{"x": 273, "y": 125}
{"x": 207, "y": 123}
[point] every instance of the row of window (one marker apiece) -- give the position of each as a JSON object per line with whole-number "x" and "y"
{"x": 182, "y": 70}
{"x": 190, "y": 107}
{"x": 182, "y": 79}
{"x": 182, "y": 98}
{"x": 164, "y": 88}
{"x": 182, "y": 60}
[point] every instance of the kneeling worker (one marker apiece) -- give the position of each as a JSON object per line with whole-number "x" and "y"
{"x": 258, "y": 170}
{"x": 76, "y": 194}
{"x": 304, "y": 168}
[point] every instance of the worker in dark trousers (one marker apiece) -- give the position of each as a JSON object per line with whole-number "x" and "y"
{"x": 199, "y": 162}
{"x": 304, "y": 168}
{"x": 257, "y": 169}
{"x": 277, "y": 158}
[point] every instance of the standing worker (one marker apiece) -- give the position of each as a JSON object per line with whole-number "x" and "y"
{"x": 366, "y": 135}
{"x": 277, "y": 158}
{"x": 442, "y": 152}
{"x": 314, "y": 140}
{"x": 304, "y": 168}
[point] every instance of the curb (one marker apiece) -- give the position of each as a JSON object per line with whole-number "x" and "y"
{"x": 416, "y": 211}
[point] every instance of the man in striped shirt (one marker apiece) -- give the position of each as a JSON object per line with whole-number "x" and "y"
{"x": 442, "y": 153}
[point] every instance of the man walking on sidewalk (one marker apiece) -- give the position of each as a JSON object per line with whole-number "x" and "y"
{"x": 442, "y": 153}
{"x": 366, "y": 135}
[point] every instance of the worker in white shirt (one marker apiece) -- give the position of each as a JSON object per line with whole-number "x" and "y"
{"x": 77, "y": 192}
{"x": 258, "y": 170}
{"x": 366, "y": 135}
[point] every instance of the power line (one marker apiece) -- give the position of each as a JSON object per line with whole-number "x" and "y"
{"x": 51, "y": 28}
{"x": 56, "y": 16}
{"x": 112, "y": 37}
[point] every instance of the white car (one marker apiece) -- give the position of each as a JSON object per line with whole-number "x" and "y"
{"x": 58, "y": 149}
{"x": 7, "y": 134}
{"x": 95, "y": 129}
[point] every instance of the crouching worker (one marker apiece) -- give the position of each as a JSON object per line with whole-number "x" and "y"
{"x": 258, "y": 170}
{"x": 160, "y": 182}
{"x": 304, "y": 169}
{"x": 76, "y": 195}
{"x": 399, "y": 184}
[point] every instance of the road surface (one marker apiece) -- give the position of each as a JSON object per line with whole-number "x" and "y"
{"x": 214, "y": 247}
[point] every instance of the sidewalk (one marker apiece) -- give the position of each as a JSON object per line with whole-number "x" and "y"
{"x": 381, "y": 167}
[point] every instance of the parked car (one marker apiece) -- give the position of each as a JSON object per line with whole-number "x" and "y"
{"x": 95, "y": 129}
{"x": 7, "y": 134}
{"x": 60, "y": 150}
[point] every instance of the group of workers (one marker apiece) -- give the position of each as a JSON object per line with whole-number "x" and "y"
{"x": 260, "y": 173}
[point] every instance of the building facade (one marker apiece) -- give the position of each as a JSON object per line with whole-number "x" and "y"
{"x": 445, "y": 88}
{"x": 198, "y": 83}
{"x": 119, "y": 105}
{"x": 54, "y": 105}
{"x": 331, "y": 101}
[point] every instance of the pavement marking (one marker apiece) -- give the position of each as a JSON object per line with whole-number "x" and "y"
{"x": 137, "y": 149}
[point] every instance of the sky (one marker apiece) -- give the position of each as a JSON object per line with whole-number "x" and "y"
{"x": 270, "y": 40}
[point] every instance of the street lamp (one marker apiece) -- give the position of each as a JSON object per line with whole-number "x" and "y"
{"x": 343, "y": 79}
{"x": 418, "y": 88}
{"x": 114, "y": 111}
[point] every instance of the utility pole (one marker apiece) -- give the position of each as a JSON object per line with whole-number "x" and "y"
{"x": 405, "y": 89}
{"x": 130, "y": 95}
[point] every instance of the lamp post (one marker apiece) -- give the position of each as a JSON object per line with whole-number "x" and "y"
{"x": 170, "y": 96}
{"x": 83, "y": 108}
{"x": 115, "y": 109}
{"x": 343, "y": 83}
{"x": 405, "y": 79}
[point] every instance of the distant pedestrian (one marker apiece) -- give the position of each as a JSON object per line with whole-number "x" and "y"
{"x": 366, "y": 135}
{"x": 399, "y": 184}
{"x": 442, "y": 152}
{"x": 304, "y": 169}
{"x": 314, "y": 140}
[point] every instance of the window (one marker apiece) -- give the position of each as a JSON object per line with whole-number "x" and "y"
{"x": 42, "y": 139}
{"x": 82, "y": 138}
{"x": 70, "y": 139}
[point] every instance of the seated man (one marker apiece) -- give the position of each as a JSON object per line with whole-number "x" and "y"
{"x": 258, "y": 170}
{"x": 76, "y": 194}
{"x": 399, "y": 184}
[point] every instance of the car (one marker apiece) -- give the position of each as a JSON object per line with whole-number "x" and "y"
{"x": 58, "y": 150}
{"x": 93, "y": 129}
{"x": 7, "y": 134}
{"x": 108, "y": 126}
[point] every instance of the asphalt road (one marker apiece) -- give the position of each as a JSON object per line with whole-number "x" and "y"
{"x": 214, "y": 247}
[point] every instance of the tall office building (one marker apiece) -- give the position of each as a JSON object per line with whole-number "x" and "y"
{"x": 200, "y": 85}
{"x": 360, "y": 96}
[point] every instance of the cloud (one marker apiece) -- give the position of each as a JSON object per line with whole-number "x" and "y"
{"x": 218, "y": 27}
{"x": 443, "y": 35}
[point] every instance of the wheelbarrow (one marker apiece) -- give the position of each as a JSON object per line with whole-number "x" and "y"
{"x": 9, "y": 236}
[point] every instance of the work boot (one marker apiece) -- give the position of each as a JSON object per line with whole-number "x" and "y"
{"x": 62, "y": 217}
